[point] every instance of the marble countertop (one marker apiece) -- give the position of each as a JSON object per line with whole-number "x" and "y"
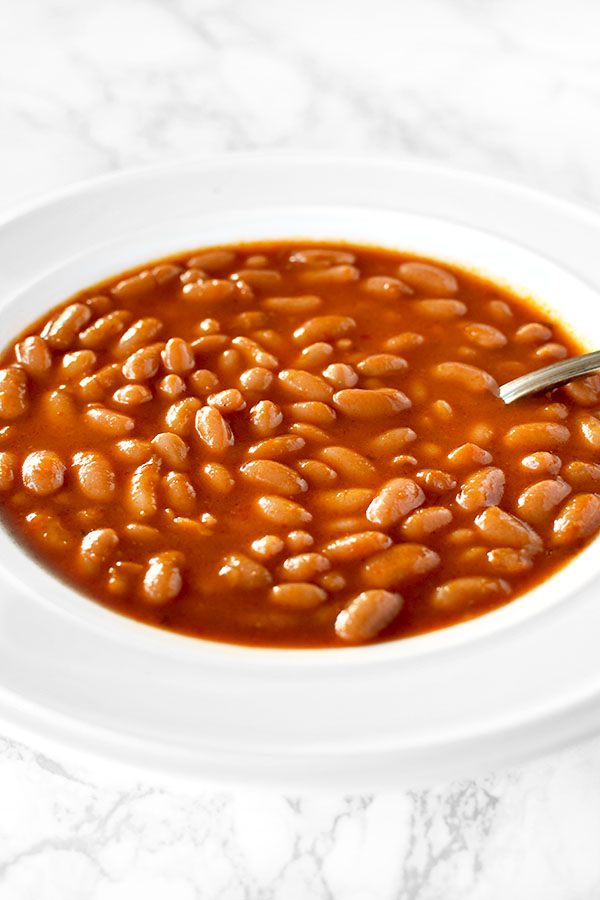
{"x": 506, "y": 87}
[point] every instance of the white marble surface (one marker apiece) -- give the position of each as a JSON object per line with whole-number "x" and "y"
{"x": 508, "y": 87}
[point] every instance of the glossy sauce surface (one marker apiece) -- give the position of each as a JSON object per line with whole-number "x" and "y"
{"x": 285, "y": 445}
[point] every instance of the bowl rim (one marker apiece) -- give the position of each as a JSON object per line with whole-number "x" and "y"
{"x": 142, "y": 174}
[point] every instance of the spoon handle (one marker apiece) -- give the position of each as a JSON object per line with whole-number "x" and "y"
{"x": 550, "y": 376}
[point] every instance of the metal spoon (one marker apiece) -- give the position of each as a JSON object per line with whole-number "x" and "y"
{"x": 550, "y": 376}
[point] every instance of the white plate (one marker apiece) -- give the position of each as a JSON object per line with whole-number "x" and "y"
{"x": 517, "y": 682}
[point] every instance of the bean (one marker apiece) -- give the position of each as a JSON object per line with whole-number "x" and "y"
{"x": 332, "y": 275}
{"x": 381, "y": 364}
{"x": 582, "y": 476}
{"x": 256, "y": 379}
{"x": 462, "y": 593}
{"x": 316, "y": 472}
{"x": 299, "y": 540}
{"x": 390, "y": 442}
{"x": 395, "y": 499}
{"x": 181, "y": 415}
{"x": 172, "y": 448}
{"x": 13, "y": 393}
{"x": 46, "y": 528}
{"x": 213, "y": 260}
{"x": 350, "y": 500}
{"x": 263, "y": 279}
{"x": 95, "y": 387}
{"x": 408, "y": 340}
{"x": 109, "y": 422}
{"x": 357, "y": 546}
{"x": 385, "y": 286}
{"x": 509, "y": 561}
{"x": 323, "y": 328}
{"x": 180, "y": 493}
{"x": 485, "y": 336}
{"x": 209, "y": 344}
{"x": 43, "y": 472}
{"x": 133, "y": 450}
{"x": 162, "y": 579}
{"x": 202, "y": 381}
{"x": 283, "y": 511}
{"x": 96, "y": 548}
{"x": 542, "y": 463}
{"x": 368, "y": 404}
{"x": 367, "y": 615}
{"x": 301, "y": 304}
{"x": 424, "y": 522}
{"x": 427, "y": 278}
{"x": 314, "y": 356}
{"x": 589, "y": 430}
{"x": 584, "y": 391}
{"x": 578, "y": 519}
{"x": 242, "y": 573}
{"x": 484, "y": 487}
{"x": 275, "y": 476}
{"x": 504, "y": 530}
{"x": 277, "y": 447}
{"x": 332, "y": 581}
{"x": 77, "y": 364}
{"x": 538, "y": 500}
{"x": 61, "y": 331}
{"x": 95, "y": 475}
{"x": 228, "y": 401}
{"x": 143, "y": 363}
{"x": 135, "y": 286}
{"x": 123, "y": 578}
{"x": 213, "y": 290}
{"x": 142, "y": 534}
{"x": 213, "y": 430}
{"x": 268, "y": 546}
{"x": 439, "y": 309}
{"x": 551, "y": 352}
{"x": 34, "y": 356}
{"x": 298, "y": 595}
{"x": 466, "y": 376}
{"x": 467, "y": 456}
{"x": 8, "y": 465}
{"x": 266, "y": 416}
{"x": 435, "y": 480}
{"x": 99, "y": 305}
{"x": 132, "y": 395}
{"x": 178, "y": 356}
{"x": 556, "y": 411}
{"x": 341, "y": 375}
{"x": 312, "y": 411}
{"x": 532, "y": 333}
{"x": 310, "y": 432}
{"x": 165, "y": 272}
{"x": 305, "y": 566}
{"x": 141, "y": 498}
{"x": 256, "y": 354}
{"x": 345, "y": 526}
{"x": 536, "y": 436}
{"x": 219, "y": 478}
{"x": 104, "y": 330}
{"x": 400, "y": 563}
{"x": 305, "y": 385}
{"x": 348, "y": 463}
{"x": 138, "y": 335}
{"x": 322, "y": 258}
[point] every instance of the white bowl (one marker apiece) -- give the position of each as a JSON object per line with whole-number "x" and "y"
{"x": 513, "y": 683}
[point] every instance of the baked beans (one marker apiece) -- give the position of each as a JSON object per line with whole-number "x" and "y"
{"x": 290, "y": 445}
